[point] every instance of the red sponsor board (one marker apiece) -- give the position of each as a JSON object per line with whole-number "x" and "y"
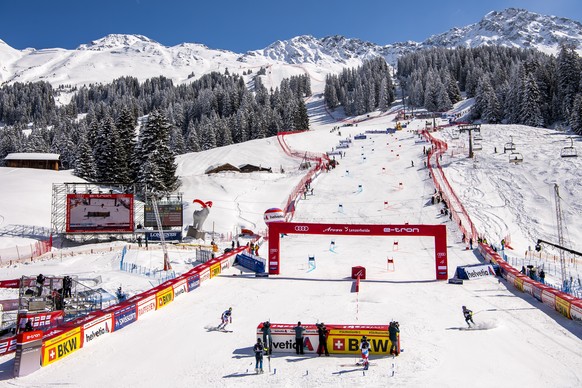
{"x": 549, "y": 297}
{"x": 146, "y": 305}
{"x": 42, "y": 321}
{"x": 14, "y": 283}
{"x": 99, "y": 213}
{"x": 7, "y": 345}
{"x": 576, "y": 310}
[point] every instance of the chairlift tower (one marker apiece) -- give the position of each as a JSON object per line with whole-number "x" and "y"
{"x": 470, "y": 128}
{"x": 560, "y": 223}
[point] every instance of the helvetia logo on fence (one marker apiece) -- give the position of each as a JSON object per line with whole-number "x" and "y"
{"x": 290, "y": 344}
{"x": 94, "y": 334}
{"x": 482, "y": 272}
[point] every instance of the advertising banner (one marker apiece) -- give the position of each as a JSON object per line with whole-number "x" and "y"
{"x": 61, "y": 346}
{"x": 124, "y": 316}
{"x": 549, "y": 297}
{"x": 180, "y": 287}
{"x": 575, "y": 311}
{"x": 518, "y": 282}
{"x": 537, "y": 292}
{"x": 164, "y": 297}
{"x": 475, "y": 271}
{"x": 42, "y": 321}
{"x": 204, "y": 275}
{"x": 146, "y": 305}
{"x": 170, "y": 214}
{"x": 99, "y": 213}
{"x": 7, "y": 345}
{"x": 342, "y": 339}
{"x": 97, "y": 328}
{"x": 563, "y": 306}
{"x": 214, "y": 270}
{"x": 169, "y": 235}
{"x": 193, "y": 282}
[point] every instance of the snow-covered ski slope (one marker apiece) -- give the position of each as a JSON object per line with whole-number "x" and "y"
{"x": 527, "y": 343}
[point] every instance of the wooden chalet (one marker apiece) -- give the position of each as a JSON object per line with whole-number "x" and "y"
{"x": 38, "y": 160}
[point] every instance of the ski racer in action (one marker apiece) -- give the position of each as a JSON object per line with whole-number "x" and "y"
{"x": 226, "y": 318}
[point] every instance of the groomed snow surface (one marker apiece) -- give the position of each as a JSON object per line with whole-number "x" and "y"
{"x": 525, "y": 343}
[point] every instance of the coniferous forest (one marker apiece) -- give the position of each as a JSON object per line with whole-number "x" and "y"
{"x": 95, "y": 133}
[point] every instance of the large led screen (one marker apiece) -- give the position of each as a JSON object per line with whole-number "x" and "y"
{"x": 170, "y": 215}
{"x": 99, "y": 213}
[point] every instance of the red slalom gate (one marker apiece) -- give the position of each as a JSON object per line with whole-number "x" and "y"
{"x": 439, "y": 232}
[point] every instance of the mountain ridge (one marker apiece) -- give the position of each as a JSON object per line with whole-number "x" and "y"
{"x": 117, "y": 55}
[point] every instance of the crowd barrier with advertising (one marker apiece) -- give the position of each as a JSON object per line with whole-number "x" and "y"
{"x": 566, "y": 304}
{"x": 71, "y": 336}
{"x": 342, "y": 339}
{"x": 250, "y": 262}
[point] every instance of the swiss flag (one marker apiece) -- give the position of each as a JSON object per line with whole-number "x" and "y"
{"x": 339, "y": 344}
{"x": 52, "y": 354}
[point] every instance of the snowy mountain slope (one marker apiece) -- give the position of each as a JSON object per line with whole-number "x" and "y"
{"x": 118, "y": 55}
{"x": 521, "y": 334}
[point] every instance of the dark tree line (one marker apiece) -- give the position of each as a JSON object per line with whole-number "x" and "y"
{"x": 360, "y": 90}
{"x": 510, "y": 85}
{"x": 108, "y": 144}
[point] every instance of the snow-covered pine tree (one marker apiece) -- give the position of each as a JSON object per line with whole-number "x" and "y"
{"x": 576, "y": 115}
{"x": 530, "y": 111}
{"x": 301, "y": 118}
{"x": 157, "y": 168}
{"x": 126, "y": 124}
{"x": 84, "y": 163}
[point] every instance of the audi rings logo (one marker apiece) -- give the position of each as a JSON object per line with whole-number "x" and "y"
{"x": 301, "y": 228}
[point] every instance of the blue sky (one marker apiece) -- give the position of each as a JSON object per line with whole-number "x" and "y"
{"x": 241, "y": 25}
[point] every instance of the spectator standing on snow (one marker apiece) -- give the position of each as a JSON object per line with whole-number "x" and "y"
{"x": 267, "y": 337}
{"x": 393, "y": 334}
{"x": 299, "y": 330}
{"x": 322, "y": 333}
{"x": 39, "y": 284}
{"x": 259, "y": 350}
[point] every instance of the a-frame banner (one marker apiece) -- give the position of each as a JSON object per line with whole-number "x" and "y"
{"x": 439, "y": 232}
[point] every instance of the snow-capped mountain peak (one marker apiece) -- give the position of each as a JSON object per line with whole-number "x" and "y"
{"x": 112, "y": 41}
{"x": 513, "y": 27}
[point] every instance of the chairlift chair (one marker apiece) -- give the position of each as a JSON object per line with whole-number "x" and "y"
{"x": 509, "y": 146}
{"x": 455, "y": 134}
{"x": 478, "y": 136}
{"x": 515, "y": 157}
{"x": 477, "y": 146}
{"x": 569, "y": 152}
